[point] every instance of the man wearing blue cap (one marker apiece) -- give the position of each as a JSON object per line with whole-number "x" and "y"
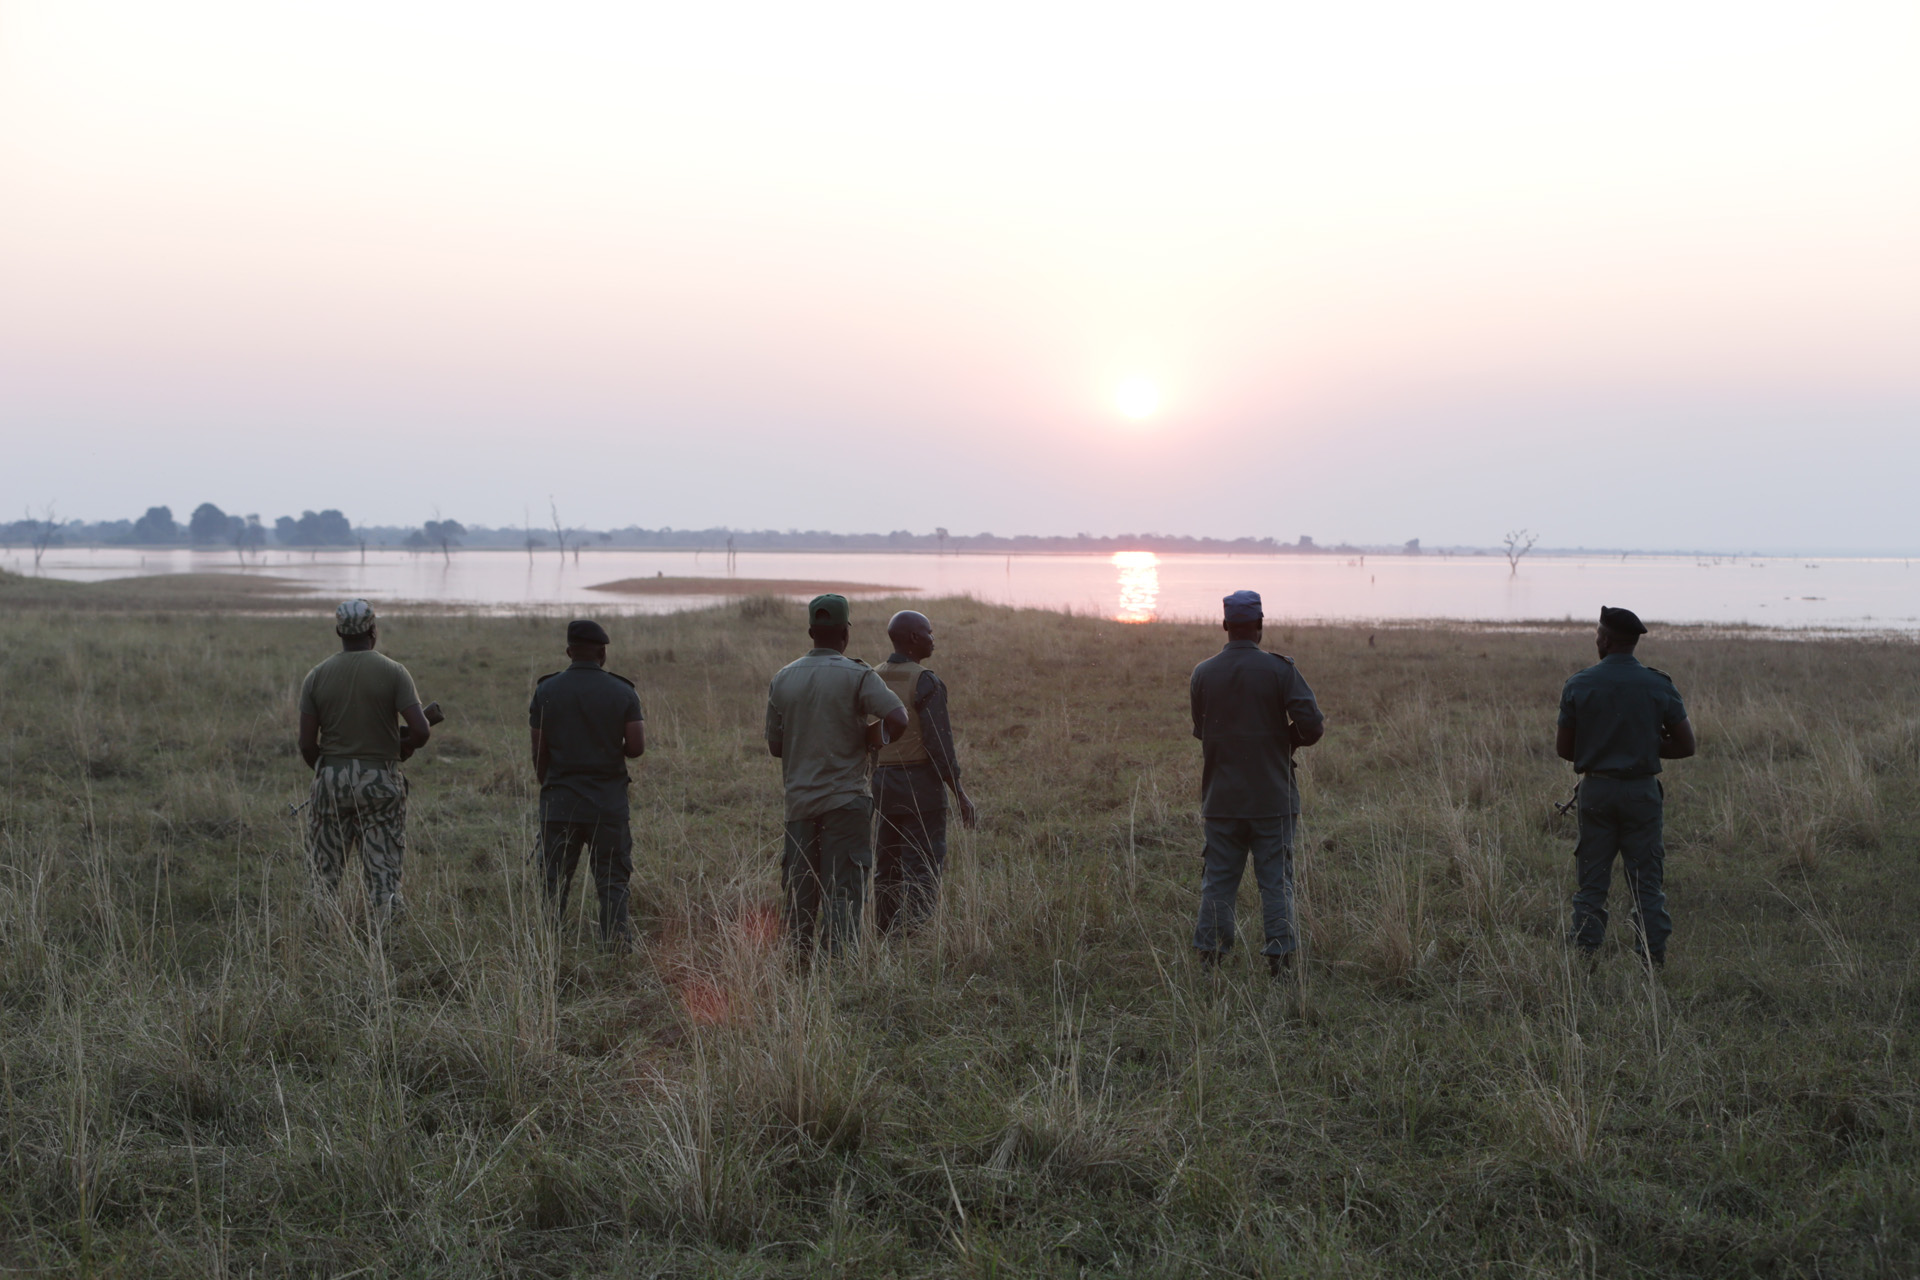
{"x": 1618, "y": 721}
{"x": 586, "y": 723}
{"x": 1251, "y": 709}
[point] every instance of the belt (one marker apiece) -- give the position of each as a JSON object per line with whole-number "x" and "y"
{"x": 1617, "y": 776}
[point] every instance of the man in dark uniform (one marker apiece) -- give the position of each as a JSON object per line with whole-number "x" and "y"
{"x": 910, "y": 781}
{"x": 819, "y": 709}
{"x": 587, "y": 723}
{"x": 1618, "y": 721}
{"x": 1250, "y": 710}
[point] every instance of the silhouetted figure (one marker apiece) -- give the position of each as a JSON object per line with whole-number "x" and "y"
{"x": 1618, "y": 721}
{"x": 1250, "y": 710}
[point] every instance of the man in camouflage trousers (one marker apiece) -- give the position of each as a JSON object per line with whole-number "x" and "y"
{"x": 359, "y": 718}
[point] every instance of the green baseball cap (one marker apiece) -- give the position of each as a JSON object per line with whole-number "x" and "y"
{"x": 828, "y": 611}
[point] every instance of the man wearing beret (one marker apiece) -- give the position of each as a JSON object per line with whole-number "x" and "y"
{"x": 818, "y": 711}
{"x": 1618, "y": 721}
{"x": 359, "y": 718}
{"x": 1251, "y": 709}
{"x": 586, "y": 724}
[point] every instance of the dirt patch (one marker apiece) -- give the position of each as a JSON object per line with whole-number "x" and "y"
{"x": 663, "y": 586}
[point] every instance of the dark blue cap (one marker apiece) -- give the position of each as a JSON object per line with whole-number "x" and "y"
{"x": 1243, "y": 606}
{"x": 586, "y": 631}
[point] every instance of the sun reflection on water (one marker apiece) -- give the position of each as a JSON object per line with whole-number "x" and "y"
{"x": 1139, "y": 585}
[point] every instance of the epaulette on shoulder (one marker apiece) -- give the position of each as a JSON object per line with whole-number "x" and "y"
{"x": 622, "y": 679}
{"x": 858, "y": 662}
{"x": 1283, "y": 657}
{"x": 543, "y": 679}
{"x": 1663, "y": 675}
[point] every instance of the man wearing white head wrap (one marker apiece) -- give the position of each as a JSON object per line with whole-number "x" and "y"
{"x": 359, "y": 718}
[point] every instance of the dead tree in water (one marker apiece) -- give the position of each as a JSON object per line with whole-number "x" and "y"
{"x": 45, "y": 529}
{"x": 1518, "y": 542}
{"x": 558, "y": 532}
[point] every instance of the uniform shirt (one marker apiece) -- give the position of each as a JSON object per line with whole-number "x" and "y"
{"x": 1617, "y": 710}
{"x": 817, "y": 712}
{"x": 583, "y": 713}
{"x": 358, "y": 696}
{"x": 1242, "y": 699}
{"x": 920, "y": 787}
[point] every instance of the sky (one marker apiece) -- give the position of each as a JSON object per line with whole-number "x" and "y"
{"x": 1639, "y": 275}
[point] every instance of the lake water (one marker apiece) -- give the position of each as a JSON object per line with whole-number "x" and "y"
{"x": 1825, "y": 594}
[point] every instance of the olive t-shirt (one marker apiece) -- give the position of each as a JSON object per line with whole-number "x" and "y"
{"x": 817, "y": 712}
{"x": 358, "y": 697}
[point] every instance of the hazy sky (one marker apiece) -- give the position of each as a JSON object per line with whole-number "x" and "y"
{"x": 1636, "y": 274}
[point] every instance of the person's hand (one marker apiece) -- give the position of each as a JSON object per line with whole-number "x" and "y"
{"x": 969, "y": 815}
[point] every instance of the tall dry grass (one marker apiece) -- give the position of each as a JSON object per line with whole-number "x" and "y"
{"x": 205, "y": 1071}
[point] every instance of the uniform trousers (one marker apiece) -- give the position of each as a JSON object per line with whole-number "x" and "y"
{"x": 823, "y": 871}
{"x": 359, "y": 804}
{"x": 911, "y": 849}
{"x": 609, "y": 841}
{"x": 1230, "y": 843}
{"x": 1621, "y": 816}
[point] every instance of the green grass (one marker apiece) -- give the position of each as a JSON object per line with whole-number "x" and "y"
{"x": 202, "y": 1072}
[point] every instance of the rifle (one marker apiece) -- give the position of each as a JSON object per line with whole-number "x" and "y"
{"x": 1573, "y": 800}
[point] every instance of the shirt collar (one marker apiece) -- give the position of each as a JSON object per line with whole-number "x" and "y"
{"x": 1242, "y": 644}
{"x": 578, "y": 664}
{"x": 1621, "y": 658}
{"x": 897, "y": 656}
{"x": 824, "y": 652}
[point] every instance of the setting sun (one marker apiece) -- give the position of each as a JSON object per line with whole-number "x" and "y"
{"x": 1137, "y": 398}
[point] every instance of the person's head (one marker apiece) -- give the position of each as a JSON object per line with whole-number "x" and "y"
{"x": 587, "y": 642}
{"x": 912, "y": 634}
{"x": 1619, "y": 631}
{"x": 1241, "y": 615}
{"x": 828, "y": 621}
{"x": 353, "y": 622}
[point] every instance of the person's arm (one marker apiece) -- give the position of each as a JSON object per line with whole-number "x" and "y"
{"x": 1193, "y": 705}
{"x": 1565, "y": 739}
{"x": 415, "y": 732}
{"x": 936, "y": 730}
{"x": 875, "y": 699}
{"x": 1676, "y": 742}
{"x": 636, "y": 744}
{"x": 310, "y": 738}
{"x": 1305, "y": 722}
{"x": 776, "y": 729}
{"x": 541, "y": 756}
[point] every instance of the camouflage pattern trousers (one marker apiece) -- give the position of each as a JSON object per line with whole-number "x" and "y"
{"x": 359, "y": 803}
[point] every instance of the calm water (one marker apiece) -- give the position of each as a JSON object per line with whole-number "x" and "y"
{"x": 1840, "y": 594}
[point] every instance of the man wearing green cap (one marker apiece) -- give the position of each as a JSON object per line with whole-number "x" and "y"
{"x": 818, "y": 711}
{"x": 1618, "y": 721}
{"x": 359, "y": 718}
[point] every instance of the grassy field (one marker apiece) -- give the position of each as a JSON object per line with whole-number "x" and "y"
{"x": 203, "y": 1073}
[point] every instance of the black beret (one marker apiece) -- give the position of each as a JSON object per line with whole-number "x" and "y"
{"x": 586, "y": 632}
{"x": 1622, "y": 622}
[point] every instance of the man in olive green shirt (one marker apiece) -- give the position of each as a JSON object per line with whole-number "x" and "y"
{"x": 818, "y": 711}
{"x": 1618, "y": 721}
{"x": 359, "y": 718}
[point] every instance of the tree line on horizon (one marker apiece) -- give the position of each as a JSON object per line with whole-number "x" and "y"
{"x": 209, "y": 527}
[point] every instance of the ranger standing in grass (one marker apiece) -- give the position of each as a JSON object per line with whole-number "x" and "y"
{"x": 586, "y": 724}
{"x": 910, "y": 781}
{"x": 1250, "y": 710}
{"x": 818, "y": 713}
{"x": 359, "y": 718}
{"x": 1618, "y": 721}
